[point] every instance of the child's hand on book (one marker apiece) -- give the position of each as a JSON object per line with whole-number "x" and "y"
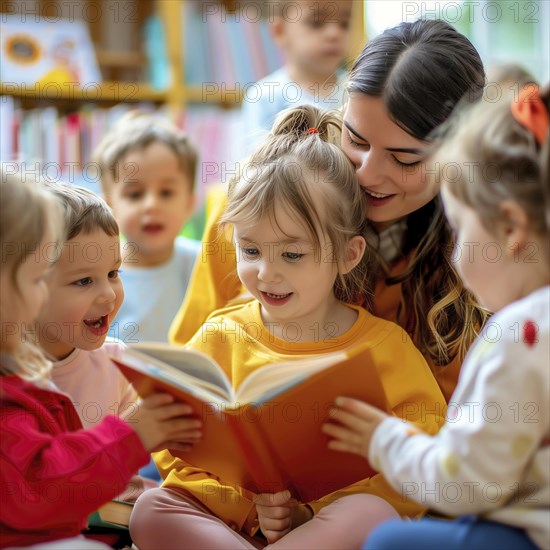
{"x": 355, "y": 424}
{"x": 162, "y": 424}
{"x": 279, "y": 513}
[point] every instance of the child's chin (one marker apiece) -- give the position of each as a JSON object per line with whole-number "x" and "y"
{"x": 92, "y": 342}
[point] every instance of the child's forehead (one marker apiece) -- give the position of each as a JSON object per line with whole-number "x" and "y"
{"x": 281, "y": 224}
{"x": 88, "y": 250}
{"x": 323, "y": 9}
{"x": 157, "y": 157}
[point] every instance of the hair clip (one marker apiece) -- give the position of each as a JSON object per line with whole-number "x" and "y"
{"x": 530, "y": 112}
{"x": 313, "y": 131}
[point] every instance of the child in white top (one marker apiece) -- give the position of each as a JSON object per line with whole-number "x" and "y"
{"x": 490, "y": 463}
{"x": 148, "y": 170}
{"x": 315, "y": 38}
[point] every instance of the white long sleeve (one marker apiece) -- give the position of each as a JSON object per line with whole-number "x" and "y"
{"x": 492, "y": 457}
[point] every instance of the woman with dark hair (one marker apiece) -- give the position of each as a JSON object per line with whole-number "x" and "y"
{"x": 403, "y": 85}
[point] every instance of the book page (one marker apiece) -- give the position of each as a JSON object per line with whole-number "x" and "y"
{"x": 272, "y": 380}
{"x": 273, "y": 440}
{"x": 186, "y": 368}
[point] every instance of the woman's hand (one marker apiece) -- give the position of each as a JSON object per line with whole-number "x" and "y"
{"x": 279, "y": 513}
{"x": 356, "y": 422}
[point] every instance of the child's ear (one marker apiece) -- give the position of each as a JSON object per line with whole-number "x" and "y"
{"x": 190, "y": 207}
{"x": 356, "y": 250}
{"x": 276, "y": 26}
{"x": 515, "y": 225}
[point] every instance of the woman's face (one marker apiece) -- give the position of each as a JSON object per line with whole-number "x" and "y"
{"x": 388, "y": 161}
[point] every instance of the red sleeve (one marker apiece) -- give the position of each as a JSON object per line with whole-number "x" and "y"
{"x": 51, "y": 479}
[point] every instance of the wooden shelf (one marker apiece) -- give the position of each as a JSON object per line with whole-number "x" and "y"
{"x": 115, "y": 92}
{"x": 125, "y": 90}
{"x": 110, "y": 92}
{"x": 206, "y": 94}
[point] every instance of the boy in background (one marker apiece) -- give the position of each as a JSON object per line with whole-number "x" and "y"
{"x": 314, "y": 36}
{"x": 148, "y": 171}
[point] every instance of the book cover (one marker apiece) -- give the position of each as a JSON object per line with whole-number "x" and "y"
{"x": 196, "y": 46}
{"x": 223, "y": 70}
{"x": 38, "y": 51}
{"x": 265, "y": 436}
{"x": 114, "y": 514}
{"x": 237, "y": 44}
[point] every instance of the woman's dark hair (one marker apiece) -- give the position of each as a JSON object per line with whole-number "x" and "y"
{"x": 422, "y": 71}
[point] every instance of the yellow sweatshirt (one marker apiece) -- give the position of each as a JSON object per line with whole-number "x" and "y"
{"x": 214, "y": 284}
{"x": 241, "y": 344}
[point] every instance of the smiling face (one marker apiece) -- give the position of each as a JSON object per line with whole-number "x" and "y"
{"x": 85, "y": 295}
{"x": 388, "y": 161}
{"x": 151, "y": 201}
{"x": 292, "y": 280}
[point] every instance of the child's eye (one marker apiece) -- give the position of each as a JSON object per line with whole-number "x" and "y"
{"x": 293, "y": 256}
{"x": 133, "y": 195}
{"x": 167, "y": 193}
{"x": 250, "y": 251}
{"x": 114, "y": 274}
{"x": 85, "y": 281}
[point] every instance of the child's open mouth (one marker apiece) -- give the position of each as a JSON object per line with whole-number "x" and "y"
{"x": 276, "y": 299}
{"x": 98, "y": 326}
{"x": 153, "y": 228}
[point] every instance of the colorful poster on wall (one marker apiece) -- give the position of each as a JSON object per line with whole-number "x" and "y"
{"x": 37, "y": 51}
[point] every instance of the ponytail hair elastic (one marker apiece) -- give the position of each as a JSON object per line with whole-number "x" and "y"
{"x": 313, "y": 131}
{"x": 531, "y": 112}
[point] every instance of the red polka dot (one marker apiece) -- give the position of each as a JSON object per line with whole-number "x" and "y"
{"x": 530, "y": 333}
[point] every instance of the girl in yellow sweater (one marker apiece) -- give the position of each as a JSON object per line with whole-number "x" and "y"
{"x": 404, "y": 83}
{"x": 298, "y": 225}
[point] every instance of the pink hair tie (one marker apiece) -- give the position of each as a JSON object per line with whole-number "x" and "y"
{"x": 530, "y": 112}
{"x": 313, "y": 131}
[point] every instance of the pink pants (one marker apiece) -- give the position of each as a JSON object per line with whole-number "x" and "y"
{"x": 167, "y": 519}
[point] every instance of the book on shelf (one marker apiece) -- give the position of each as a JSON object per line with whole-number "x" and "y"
{"x": 265, "y": 435}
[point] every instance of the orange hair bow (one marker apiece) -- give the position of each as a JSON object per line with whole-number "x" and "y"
{"x": 530, "y": 111}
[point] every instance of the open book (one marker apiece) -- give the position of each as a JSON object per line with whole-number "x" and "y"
{"x": 265, "y": 435}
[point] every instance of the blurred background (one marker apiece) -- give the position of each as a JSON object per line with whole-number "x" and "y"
{"x": 69, "y": 69}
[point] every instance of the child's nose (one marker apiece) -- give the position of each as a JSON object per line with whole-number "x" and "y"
{"x": 151, "y": 201}
{"x": 107, "y": 293}
{"x": 267, "y": 272}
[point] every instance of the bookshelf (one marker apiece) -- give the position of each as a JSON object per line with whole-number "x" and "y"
{"x": 114, "y": 21}
{"x": 59, "y": 125}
